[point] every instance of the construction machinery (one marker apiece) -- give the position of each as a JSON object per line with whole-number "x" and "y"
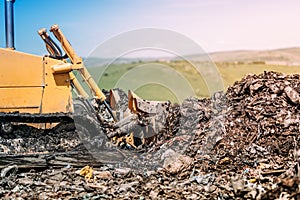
{"x": 44, "y": 91}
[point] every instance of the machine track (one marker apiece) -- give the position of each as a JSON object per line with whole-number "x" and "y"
{"x": 35, "y": 118}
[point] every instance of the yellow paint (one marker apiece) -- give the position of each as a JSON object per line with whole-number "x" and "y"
{"x": 77, "y": 63}
{"x": 57, "y": 96}
{"x": 22, "y": 99}
{"x": 27, "y": 84}
{"x": 252, "y": 180}
{"x": 87, "y": 172}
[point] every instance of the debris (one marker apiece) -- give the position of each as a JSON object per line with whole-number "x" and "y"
{"x": 9, "y": 169}
{"x": 203, "y": 179}
{"x": 243, "y": 144}
{"x": 153, "y": 194}
{"x": 224, "y": 161}
{"x": 25, "y": 181}
{"x": 292, "y": 94}
{"x": 106, "y": 175}
{"x": 174, "y": 162}
{"x": 87, "y": 172}
{"x": 122, "y": 171}
{"x": 127, "y": 186}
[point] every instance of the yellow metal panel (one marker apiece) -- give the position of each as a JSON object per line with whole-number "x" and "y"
{"x": 57, "y": 95}
{"x": 20, "y": 69}
{"x": 21, "y": 81}
{"x": 28, "y": 85}
{"x": 24, "y": 99}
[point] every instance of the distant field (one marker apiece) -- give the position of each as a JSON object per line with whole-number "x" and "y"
{"x": 231, "y": 72}
{"x": 176, "y": 76}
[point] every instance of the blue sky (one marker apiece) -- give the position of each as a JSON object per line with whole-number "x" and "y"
{"x": 216, "y": 25}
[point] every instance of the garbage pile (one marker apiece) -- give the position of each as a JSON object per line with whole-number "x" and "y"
{"x": 243, "y": 144}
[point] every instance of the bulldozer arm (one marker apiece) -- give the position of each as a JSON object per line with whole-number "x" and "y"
{"x": 128, "y": 128}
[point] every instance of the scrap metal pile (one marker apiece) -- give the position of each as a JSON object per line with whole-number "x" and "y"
{"x": 243, "y": 144}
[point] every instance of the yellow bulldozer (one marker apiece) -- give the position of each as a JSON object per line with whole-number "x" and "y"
{"x": 41, "y": 90}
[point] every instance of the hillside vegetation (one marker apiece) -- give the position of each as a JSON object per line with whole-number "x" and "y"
{"x": 230, "y": 66}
